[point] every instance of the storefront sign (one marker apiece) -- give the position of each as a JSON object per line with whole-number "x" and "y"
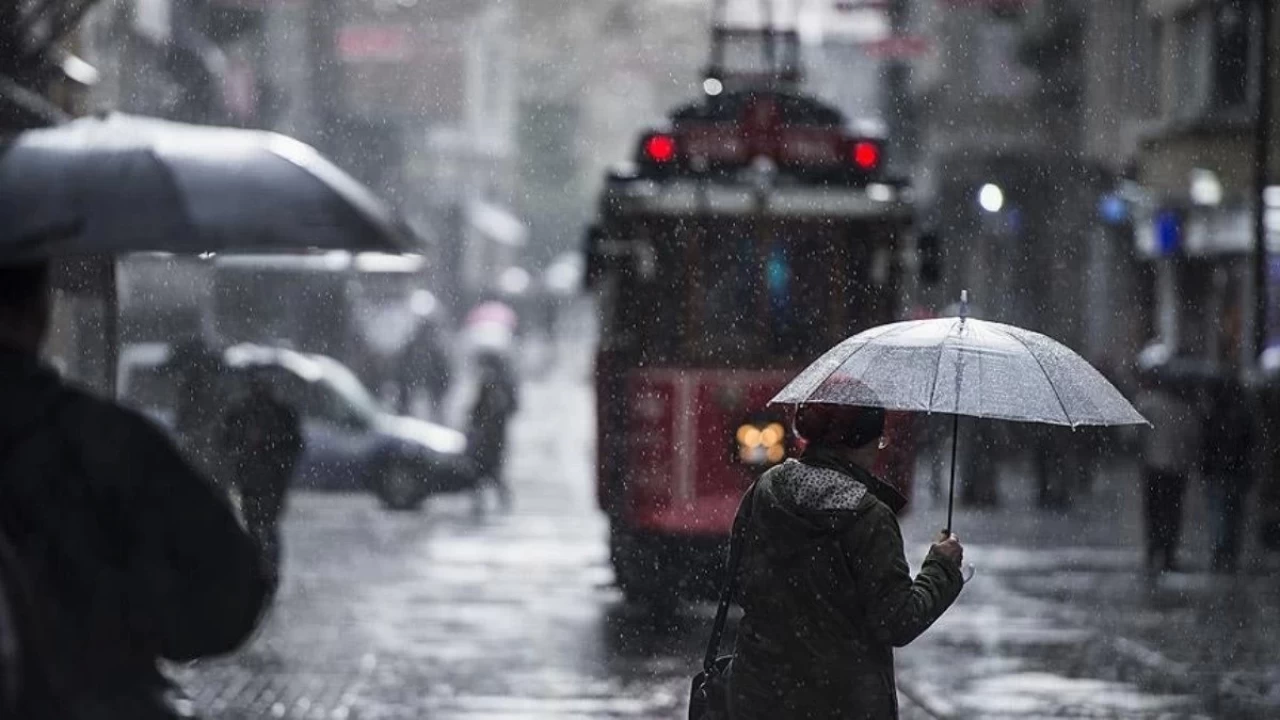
{"x": 1217, "y": 232}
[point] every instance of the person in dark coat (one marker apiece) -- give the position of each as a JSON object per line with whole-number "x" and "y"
{"x": 1226, "y": 462}
{"x": 1168, "y": 459}
{"x": 496, "y": 401}
{"x": 262, "y": 440}
{"x": 825, "y": 587}
{"x": 132, "y": 554}
{"x": 424, "y": 365}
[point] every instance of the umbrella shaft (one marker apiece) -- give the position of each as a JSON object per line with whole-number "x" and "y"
{"x": 951, "y": 496}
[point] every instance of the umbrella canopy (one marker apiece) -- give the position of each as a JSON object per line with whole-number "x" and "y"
{"x": 116, "y": 184}
{"x": 963, "y": 367}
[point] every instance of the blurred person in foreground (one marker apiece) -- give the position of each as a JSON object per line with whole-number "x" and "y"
{"x": 1168, "y": 458}
{"x": 261, "y": 439}
{"x": 496, "y": 401}
{"x": 132, "y": 555}
{"x": 825, "y": 587}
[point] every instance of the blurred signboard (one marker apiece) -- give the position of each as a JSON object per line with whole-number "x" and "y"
{"x": 899, "y": 47}
{"x": 988, "y": 4}
{"x": 374, "y": 43}
{"x": 843, "y": 6}
{"x": 254, "y": 4}
{"x": 401, "y": 69}
{"x": 1219, "y": 231}
{"x": 1195, "y": 233}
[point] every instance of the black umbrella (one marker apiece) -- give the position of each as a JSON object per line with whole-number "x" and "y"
{"x": 114, "y": 184}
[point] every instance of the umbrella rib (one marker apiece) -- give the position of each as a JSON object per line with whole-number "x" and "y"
{"x": 856, "y": 350}
{"x": 937, "y": 370}
{"x": 1044, "y": 372}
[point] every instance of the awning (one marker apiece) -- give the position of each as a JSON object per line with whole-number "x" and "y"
{"x": 497, "y": 223}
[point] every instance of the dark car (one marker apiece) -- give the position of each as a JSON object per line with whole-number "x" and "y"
{"x": 351, "y": 441}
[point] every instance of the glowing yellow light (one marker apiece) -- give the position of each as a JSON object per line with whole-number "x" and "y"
{"x": 751, "y": 438}
{"x": 742, "y": 434}
{"x": 771, "y": 435}
{"x": 775, "y": 453}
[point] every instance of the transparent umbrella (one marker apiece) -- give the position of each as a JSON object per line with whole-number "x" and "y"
{"x": 961, "y": 366}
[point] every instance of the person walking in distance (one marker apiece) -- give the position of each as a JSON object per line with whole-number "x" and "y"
{"x": 496, "y": 401}
{"x": 262, "y": 441}
{"x": 132, "y": 555}
{"x": 1168, "y": 457}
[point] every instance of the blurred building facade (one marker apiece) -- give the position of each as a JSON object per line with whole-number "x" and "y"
{"x": 997, "y": 102}
{"x": 1202, "y": 155}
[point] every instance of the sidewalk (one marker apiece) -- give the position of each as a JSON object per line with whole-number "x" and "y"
{"x": 1061, "y": 620}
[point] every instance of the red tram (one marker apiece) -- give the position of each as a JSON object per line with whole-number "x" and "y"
{"x": 748, "y": 236}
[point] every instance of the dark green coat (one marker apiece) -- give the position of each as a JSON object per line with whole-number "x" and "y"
{"x": 827, "y": 594}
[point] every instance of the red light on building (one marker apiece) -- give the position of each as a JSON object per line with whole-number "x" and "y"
{"x": 660, "y": 148}
{"x": 866, "y": 154}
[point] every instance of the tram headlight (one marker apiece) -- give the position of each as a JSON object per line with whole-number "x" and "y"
{"x": 761, "y": 445}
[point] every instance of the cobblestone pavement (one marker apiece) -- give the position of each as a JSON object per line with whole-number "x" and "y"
{"x": 442, "y": 614}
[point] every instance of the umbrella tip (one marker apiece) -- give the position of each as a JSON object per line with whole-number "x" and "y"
{"x": 964, "y": 304}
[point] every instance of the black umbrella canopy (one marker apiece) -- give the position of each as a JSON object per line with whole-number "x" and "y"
{"x": 116, "y": 184}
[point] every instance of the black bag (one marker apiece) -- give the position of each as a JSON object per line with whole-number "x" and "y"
{"x": 709, "y": 693}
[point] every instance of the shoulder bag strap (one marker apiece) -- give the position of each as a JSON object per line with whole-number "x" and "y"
{"x": 730, "y": 587}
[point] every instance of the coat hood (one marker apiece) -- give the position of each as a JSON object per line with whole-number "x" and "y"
{"x": 801, "y": 501}
{"x": 796, "y": 504}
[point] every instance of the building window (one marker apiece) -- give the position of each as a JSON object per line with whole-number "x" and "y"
{"x": 1142, "y": 71}
{"x": 1000, "y": 73}
{"x": 1232, "y": 31}
{"x": 1210, "y": 51}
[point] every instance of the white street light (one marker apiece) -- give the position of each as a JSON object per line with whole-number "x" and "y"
{"x": 991, "y": 198}
{"x": 1206, "y": 188}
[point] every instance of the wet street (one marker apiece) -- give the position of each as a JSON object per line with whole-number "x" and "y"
{"x": 446, "y": 614}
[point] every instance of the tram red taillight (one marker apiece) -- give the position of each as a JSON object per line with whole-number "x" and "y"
{"x": 660, "y": 148}
{"x": 865, "y": 154}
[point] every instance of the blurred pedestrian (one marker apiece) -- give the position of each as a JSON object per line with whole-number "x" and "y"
{"x": 262, "y": 440}
{"x": 1226, "y": 462}
{"x": 496, "y": 401}
{"x": 1168, "y": 457}
{"x": 132, "y": 555}
{"x": 424, "y": 365}
{"x": 825, "y": 587}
